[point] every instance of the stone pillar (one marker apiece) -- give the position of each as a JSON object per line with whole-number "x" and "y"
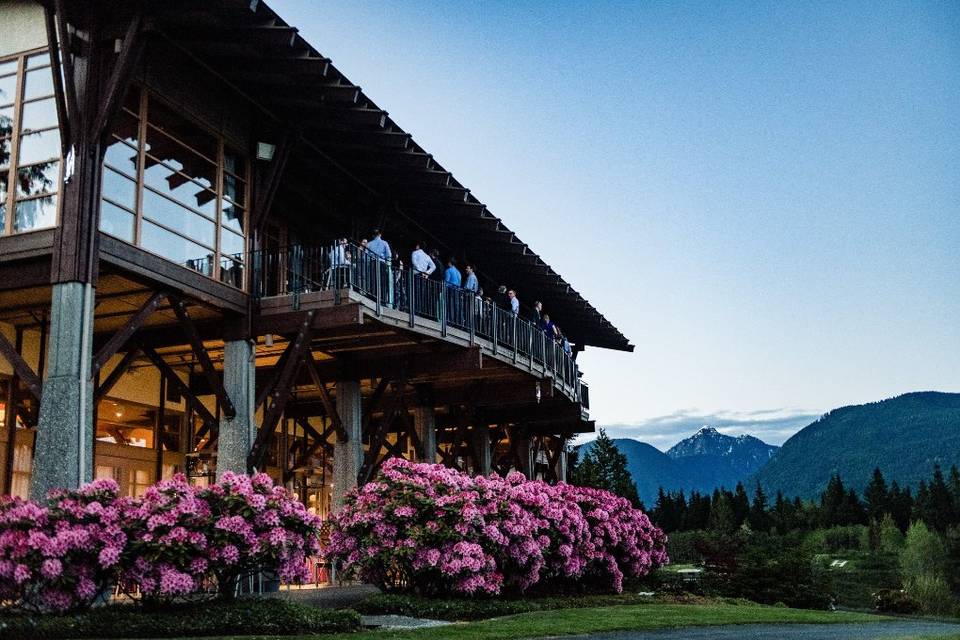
{"x": 425, "y": 424}
{"x": 237, "y": 434}
{"x": 347, "y": 456}
{"x": 64, "y": 446}
{"x": 481, "y": 444}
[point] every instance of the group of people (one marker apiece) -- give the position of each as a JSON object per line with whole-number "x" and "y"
{"x": 427, "y": 265}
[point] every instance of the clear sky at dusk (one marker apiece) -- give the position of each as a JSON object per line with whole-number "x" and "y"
{"x": 765, "y": 198}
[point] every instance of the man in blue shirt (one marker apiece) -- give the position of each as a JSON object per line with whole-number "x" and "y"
{"x": 472, "y": 284}
{"x": 379, "y": 248}
{"x": 452, "y": 275}
{"x": 453, "y": 279}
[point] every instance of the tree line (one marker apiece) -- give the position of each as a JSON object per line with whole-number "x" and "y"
{"x": 936, "y": 503}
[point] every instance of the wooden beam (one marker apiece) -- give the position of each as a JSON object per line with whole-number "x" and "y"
{"x": 53, "y": 44}
{"x": 114, "y": 376}
{"x": 462, "y": 360}
{"x": 183, "y": 388}
{"x": 280, "y": 394}
{"x": 20, "y": 367}
{"x": 120, "y": 77}
{"x": 328, "y": 405}
{"x": 269, "y": 181}
{"x": 120, "y": 338}
{"x": 193, "y": 337}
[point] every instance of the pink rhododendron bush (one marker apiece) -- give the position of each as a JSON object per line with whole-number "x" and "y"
{"x": 62, "y": 555}
{"x": 430, "y": 529}
{"x": 174, "y": 541}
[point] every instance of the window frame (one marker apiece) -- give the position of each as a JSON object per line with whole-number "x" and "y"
{"x": 13, "y": 169}
{"x": 144, "y": 128}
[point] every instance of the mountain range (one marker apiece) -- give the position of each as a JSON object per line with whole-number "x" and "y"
{"x": 702, "y": 462}
{"x": 904, "y": 436}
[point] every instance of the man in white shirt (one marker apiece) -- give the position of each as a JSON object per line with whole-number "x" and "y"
{"x": 422, "y": 263}
{"x": 514, "y": 301}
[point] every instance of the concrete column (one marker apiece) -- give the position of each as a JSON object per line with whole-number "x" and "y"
{"x": 481, "y": 436}
{"x": 237, "y": 434}
{"x": 425, "y": 424}
{"x": 347, "y": 456}
{"x": 64, "y": 446}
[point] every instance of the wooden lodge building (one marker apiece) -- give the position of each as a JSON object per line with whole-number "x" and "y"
{"x": 175, "y": 181}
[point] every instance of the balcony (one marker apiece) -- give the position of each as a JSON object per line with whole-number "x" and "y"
{"x": 301, "y": 277}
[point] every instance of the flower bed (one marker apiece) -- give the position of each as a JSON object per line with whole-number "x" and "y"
{"x": 174, "y": 541}
{"x": 433, "y": 530}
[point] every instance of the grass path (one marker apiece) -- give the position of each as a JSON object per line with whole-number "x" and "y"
{"x": 542, "y": 624}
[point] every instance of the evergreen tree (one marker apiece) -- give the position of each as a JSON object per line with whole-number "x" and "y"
{"x": 833, "y": 502}
{"x": 740, "y": 505}
{"x": 782, "y": 516}
{"x": 759, "y": 519}
{"x": 853, "y": 512}
{"x": 877, "y": 496}
{"x": 939, "y": 512}
{"x": 698, "y": 512}
{"x": 722, "y": 517}
{"x": 921, "y": 505}
{"x": 955, "y": 490}
{"x": 605, "y": 467}
{"x": 901, "y": 506}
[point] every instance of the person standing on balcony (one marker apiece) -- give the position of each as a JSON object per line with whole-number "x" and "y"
{"x": 535, "y": 313}
{"x": 514, "y": 302}
{"x": 381, "y": 249}
{"x": 453, "y": 280}
{"x": 339, "y": 264}
{"x": 423, "y": 263}
{"x": 472, "y": 285}
{"x": 424, "y": 266}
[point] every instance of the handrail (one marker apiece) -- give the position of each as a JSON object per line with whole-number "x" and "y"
{"x": 296, "y": 270}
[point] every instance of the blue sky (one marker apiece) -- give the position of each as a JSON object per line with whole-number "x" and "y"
{"x": 764, "y": 197}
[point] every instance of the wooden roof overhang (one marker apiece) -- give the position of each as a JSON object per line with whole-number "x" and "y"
{"x": 247, "y": 44}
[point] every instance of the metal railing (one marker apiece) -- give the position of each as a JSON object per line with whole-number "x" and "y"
{"x": 297, "y": 270}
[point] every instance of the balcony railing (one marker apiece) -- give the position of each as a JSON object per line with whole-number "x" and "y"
{"x": 297, "y": 270}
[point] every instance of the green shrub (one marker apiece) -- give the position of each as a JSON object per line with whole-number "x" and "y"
{"x": 856, "y": 583}
{"x": 889, "y": 537}
{"x": 923, "y": 555}
{"x": 770, "y": 569}
{"x": 244, "y": 616}
{"x": 834, "y": 539}
{"x": 932, "y": 593}
{"x": 682, "y": 547}
{"x": 894, "y": 601}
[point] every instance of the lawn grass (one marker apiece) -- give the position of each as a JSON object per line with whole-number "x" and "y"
{"x": 541, "y": 624}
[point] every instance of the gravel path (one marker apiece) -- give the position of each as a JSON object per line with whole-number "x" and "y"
{"x": 896, "y": 629}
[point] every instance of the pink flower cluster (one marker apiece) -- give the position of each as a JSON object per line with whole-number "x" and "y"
{"x": 60, "y": 556}
{"x": 173, "y": 541}
{"x": 431, "y": 529}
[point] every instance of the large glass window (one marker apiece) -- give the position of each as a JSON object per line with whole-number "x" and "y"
{"x": 175, "y": 189}
{"x": 29, "y": 144}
